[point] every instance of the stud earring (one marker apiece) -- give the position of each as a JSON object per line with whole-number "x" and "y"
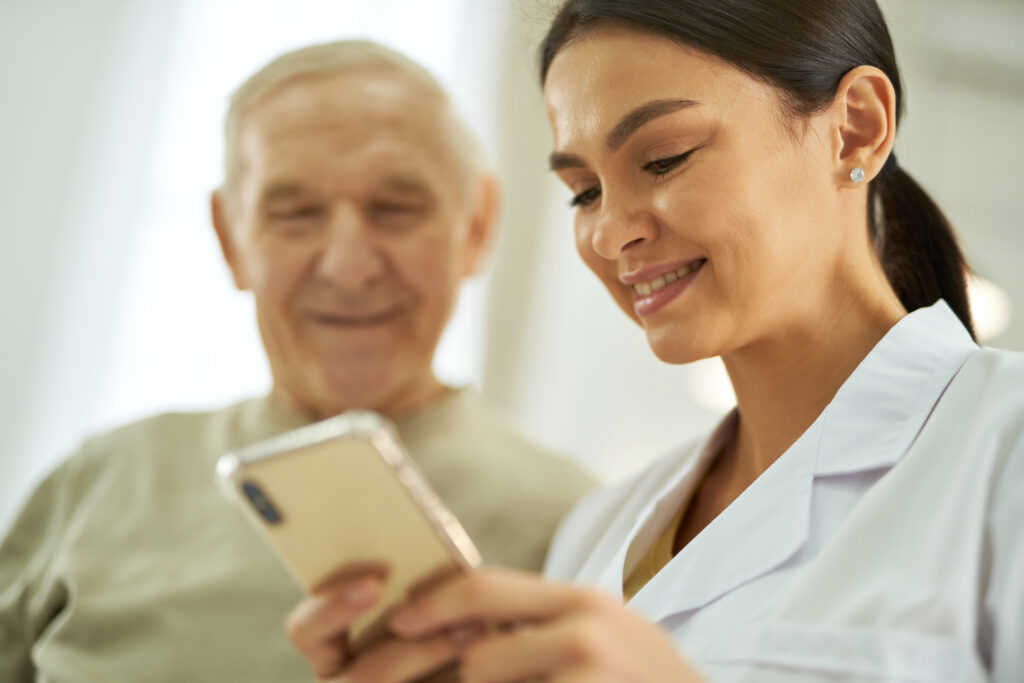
{"x": 857, "y": 175}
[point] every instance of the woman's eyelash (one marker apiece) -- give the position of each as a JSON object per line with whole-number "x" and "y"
{"x": 660, "y": 167}
{"x": 585, "y": 198}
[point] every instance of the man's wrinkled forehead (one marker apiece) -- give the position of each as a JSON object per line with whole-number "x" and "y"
{"x": 365, "y": 92}
{"x": 349, "y": 109}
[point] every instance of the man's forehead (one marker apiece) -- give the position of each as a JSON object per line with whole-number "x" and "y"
{"x": 365, "y": 98}
{"x": 337, "y": 119}
{"x": 283, "y": 188}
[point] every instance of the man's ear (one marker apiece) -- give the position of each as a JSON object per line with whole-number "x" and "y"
{"x": 220, "y": 217}
{"x": 483, "y": 223}
{"x": 865, "y": 107}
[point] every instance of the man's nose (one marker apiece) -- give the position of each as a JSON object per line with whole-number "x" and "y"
{"x": 620, "y": 226}
{"x": 350, "y": 258}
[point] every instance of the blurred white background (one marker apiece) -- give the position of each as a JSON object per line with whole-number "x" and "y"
{"x": 115, "y": 303}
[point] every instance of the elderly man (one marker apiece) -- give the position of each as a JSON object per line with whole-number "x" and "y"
{"x": 353, "y": 206}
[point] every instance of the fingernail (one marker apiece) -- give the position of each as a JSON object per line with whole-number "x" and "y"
{"x": 361, "y": 593}
{"x": 461, "y": 636}
{"x": 403, "y": 621}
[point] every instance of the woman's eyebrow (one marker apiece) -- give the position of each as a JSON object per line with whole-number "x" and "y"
{"x": 630, "y": 123}
{"x": 635, "y": 119}
{"x": 560, "y": 160}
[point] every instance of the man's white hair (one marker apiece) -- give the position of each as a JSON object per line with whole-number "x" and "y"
{"x": 334, "y": 58}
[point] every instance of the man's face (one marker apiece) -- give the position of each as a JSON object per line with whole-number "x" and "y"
{"x": 353, "y": 222}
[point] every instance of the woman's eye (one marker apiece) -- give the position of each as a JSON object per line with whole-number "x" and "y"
{"x": 585, "y": 198}
{"x": 660, "y": 167}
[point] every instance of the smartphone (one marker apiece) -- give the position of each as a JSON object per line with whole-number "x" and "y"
{"x": 343, "y": 492}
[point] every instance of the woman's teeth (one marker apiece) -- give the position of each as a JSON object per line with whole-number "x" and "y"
{"x": 645, "y": 288}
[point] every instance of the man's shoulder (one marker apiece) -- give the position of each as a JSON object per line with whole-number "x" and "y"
{"x": 493, "y": 437}
{"x": 151, "y": 447}
{"x": 166, "y": 437}
{"x": 508, "y": 491}
{"x": 160, "y": 431}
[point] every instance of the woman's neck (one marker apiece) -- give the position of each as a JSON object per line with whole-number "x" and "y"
{"x": 783, "y": 384}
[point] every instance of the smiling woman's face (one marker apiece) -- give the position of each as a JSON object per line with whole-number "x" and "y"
{"x": 708, "y": 212}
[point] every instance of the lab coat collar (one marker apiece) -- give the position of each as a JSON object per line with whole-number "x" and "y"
{"x": 640, "y": 518}
{"x": 760, "y": 530}
{"x": 880, "y": 409}
{"x": 871, "y": 423}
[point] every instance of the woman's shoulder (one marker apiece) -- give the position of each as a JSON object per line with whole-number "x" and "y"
{"x": 999, "y": 364}
{"x": 990, "y": 387}
{"x": 1001, "y": 359}
{"x": 976, "y": 430}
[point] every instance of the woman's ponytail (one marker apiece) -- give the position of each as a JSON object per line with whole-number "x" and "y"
{"x": 917, "y": 245}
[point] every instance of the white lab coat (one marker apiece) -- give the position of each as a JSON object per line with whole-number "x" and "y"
{"x": 887, "y": 543}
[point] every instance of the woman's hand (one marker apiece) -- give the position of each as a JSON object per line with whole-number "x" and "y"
{"x": 319, "y": 625}
{"x": 541, "y": 629}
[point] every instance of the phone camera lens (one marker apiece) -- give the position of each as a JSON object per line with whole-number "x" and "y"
{"x": 260, "y": 501}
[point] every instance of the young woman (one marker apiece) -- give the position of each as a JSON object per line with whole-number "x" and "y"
{"x": 860, "y": 515}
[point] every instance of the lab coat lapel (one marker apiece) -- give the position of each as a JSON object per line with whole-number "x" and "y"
{"x": 763, "y": 527}
{"x": 879, "y": 411}
{"x": 871, "y": 423}
{"x": 649, "y": 502}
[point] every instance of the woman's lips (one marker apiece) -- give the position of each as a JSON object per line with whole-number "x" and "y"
{"x": 650, "y": 297}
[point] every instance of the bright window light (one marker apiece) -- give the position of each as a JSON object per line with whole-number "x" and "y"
{"x": 990, "y": 306}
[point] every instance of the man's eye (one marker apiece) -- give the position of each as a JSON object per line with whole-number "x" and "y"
{"x": 297, "y": 214}
{"x": 660, "y": 167}
{"x": 395, "y": 207}
{"x": 585, "y": 198}
{"x": 394, "y": 215}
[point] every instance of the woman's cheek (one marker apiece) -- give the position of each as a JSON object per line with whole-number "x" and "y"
{"x": 622, "y": 294}
{"x": 604, "y": 269}
{"x": 583, "y": 233}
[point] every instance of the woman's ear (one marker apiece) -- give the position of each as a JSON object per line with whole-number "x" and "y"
{"x": 483, "y": 222}
{"x": 865, "y": 107}
{"x": 219, "y": 215}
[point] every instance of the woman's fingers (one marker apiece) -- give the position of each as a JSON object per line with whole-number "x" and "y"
{"x": 398, "y": 661}
{"x": 585, "y": 676}
{"x": 589, "y": 645}
{"x": 488, "y": 595}
{"x": 579, "y": 642}
{"x": 544, "y": 631}
{"x": 513, "y": 656}
{"x": 319, "y": 624}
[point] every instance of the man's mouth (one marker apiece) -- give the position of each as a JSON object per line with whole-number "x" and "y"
{"x": 354, "y": 319}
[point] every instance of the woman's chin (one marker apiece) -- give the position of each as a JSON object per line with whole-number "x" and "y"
{"x": 678, "y": 348}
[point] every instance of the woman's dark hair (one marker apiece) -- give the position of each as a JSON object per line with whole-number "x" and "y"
{"x": 804, "y": 48}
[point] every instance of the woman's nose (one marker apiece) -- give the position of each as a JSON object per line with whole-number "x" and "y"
{"x": 620, "y": 227}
